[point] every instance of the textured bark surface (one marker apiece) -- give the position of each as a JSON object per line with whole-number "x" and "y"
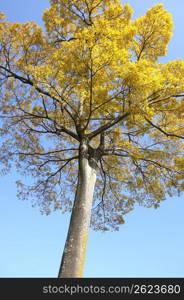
{"x": 73, "y": 259}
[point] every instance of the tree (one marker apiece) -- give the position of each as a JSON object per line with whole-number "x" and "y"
{"x": 91, "y": 114}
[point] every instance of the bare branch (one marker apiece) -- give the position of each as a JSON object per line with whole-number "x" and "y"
{"x": 62, "y": 167}
{"x": 163, "y": 99}
{"x": 115, "y": 154}
{"x": 163, "y": 131}
{"x": 29, "y": 82}
{"x": 107, "y": 126}
{"x": 156, "y": 163}
{"x": 45, "y": 153}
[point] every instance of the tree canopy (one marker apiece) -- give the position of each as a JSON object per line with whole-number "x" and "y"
{"x": 93, "y": 72}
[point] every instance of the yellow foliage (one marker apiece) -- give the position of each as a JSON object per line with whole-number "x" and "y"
{"x": 153, "y": 32}
{"x": 90, "y": 66}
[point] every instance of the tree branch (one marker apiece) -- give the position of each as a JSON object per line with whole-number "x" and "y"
{"x": 29, "y": 82}
{"x": 45, "y": 153}
{"x": 107, "y": 126}
{"x": 163, "y": 131}
{"x": 115, "y": 154}
{"x": 59, "y": 170}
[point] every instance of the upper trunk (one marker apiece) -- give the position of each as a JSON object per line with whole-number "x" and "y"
{"x": 76, "y": 243}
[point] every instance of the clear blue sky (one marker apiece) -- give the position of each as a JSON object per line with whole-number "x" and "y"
{"x": 151, "y": 242}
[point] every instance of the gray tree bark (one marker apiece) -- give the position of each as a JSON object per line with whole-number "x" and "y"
{"x": 73, "y": 258}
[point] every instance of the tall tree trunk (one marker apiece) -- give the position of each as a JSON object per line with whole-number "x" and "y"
{"x": 73, "y": 259}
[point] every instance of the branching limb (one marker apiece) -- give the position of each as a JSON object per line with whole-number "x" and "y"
{"x": 163, "y": 131}
{"x": 62, "y": 167}
{"x": 42, "y": 92}
{"x": 45, "y": 153}
{"x": 107, "y": 126}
